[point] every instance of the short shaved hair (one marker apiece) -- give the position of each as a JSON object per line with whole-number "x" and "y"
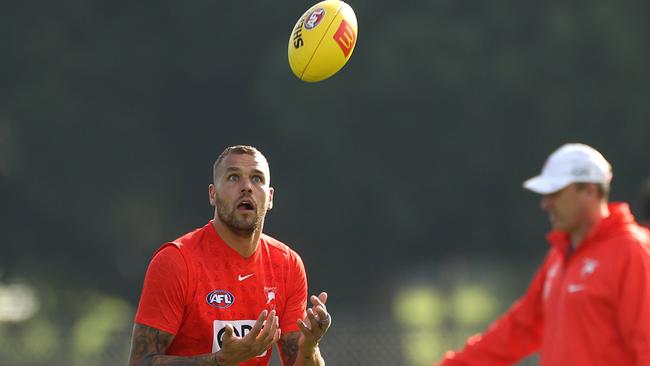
{"x": 237, "y": 149}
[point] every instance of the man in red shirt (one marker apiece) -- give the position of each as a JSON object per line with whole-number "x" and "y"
{"x": 589, "y": 303}
{"x": 223, "y": 294}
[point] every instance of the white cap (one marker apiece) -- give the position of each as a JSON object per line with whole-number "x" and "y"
{"x": 571, "y": 163}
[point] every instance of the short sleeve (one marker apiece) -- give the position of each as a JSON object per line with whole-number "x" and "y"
{"x": 162, "y": 302}
{"x": 296, "y": 303}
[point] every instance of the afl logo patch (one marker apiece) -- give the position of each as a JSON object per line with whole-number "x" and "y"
{"x": 313, "y": 19}
{"x": 220, "y": 299}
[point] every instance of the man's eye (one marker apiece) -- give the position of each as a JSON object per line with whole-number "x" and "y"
{"x": 257, "y": 179}
{"x": 233, "y": 177}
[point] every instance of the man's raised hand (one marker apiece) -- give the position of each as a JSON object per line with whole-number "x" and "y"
{"x": 263, "y": 335}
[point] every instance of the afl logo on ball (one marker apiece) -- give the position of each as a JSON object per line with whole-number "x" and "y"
{"x": 220, "y": 299}
{"x": 313, "y": 19}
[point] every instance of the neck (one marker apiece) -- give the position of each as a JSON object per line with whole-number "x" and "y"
{"x": 591, "y": 219}
{"x": 245, "y": 244}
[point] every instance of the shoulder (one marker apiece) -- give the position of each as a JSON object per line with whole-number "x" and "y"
{"x": 187, "y": 243}
{"x": 279, "y": 249}
{"x": 168, "y": 256}
{"x": 167, "y": 266}
{"x": 633, "y": 240}
{"x": 627, "y": 247}
{"x": 276, "y": 246}
{"x": 182, "y": 251}
{"x": 192, "y": 238}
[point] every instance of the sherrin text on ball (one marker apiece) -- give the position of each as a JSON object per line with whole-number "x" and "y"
{"x": 322, "y": 40}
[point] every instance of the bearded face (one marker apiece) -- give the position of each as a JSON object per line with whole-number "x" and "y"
{"x": 241, "y": 216}
{"x": 241, "y": 193}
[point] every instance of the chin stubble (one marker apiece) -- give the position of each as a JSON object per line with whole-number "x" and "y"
{"x": 241, "y": 228}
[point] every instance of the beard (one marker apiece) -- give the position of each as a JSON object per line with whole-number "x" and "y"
{"x": 240, "y": 225}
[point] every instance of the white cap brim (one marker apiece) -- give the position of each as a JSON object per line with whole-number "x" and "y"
{"x": 546, "y": 185}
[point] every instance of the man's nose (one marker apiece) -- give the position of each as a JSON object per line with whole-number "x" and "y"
{"x": 247, "y": 186}
{"x": 545, "y": 202}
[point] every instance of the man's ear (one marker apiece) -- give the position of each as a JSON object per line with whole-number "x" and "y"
{"x": 212, "y": 195}
{"x": 271, "y": 190}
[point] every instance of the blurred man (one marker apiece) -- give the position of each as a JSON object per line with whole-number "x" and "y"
{"x": 589, "y": 303}
{"x": 225, "y": 293}
{"x": 644, "y": 200}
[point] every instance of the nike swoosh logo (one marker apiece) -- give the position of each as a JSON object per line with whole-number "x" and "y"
{"x": 241, "y": 278}
{"x": 575, "y": 288}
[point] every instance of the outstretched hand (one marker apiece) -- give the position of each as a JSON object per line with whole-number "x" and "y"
{"x": 317, "y": 322}
{"x": 263, "y": 335}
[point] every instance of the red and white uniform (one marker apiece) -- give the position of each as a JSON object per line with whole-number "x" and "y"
{"x": 589, "y": 308}
{"x": 197, "y": 283}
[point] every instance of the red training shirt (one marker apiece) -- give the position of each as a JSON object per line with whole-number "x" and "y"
{"x": 590, "y": 308}
{"x": 197, "y": 283}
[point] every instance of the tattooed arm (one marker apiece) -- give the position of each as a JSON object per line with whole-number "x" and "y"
{"x": 301, "y": 348}
{"x": 148, "y": 348}
{"x": 149, "y": 345}
{"x": 293, "y": 355}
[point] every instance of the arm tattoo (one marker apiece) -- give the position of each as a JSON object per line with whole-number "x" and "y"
{"x": 289, "y": 348}
{"x": 147, "y": 342}
{"x": 203, "y": 360}
{"x": 148, "y": 349}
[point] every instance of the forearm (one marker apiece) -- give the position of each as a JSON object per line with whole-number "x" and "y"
{"x": 210, "y": 359}
{"x": 149, "y": 346}
{"x": 311, "y": 357}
